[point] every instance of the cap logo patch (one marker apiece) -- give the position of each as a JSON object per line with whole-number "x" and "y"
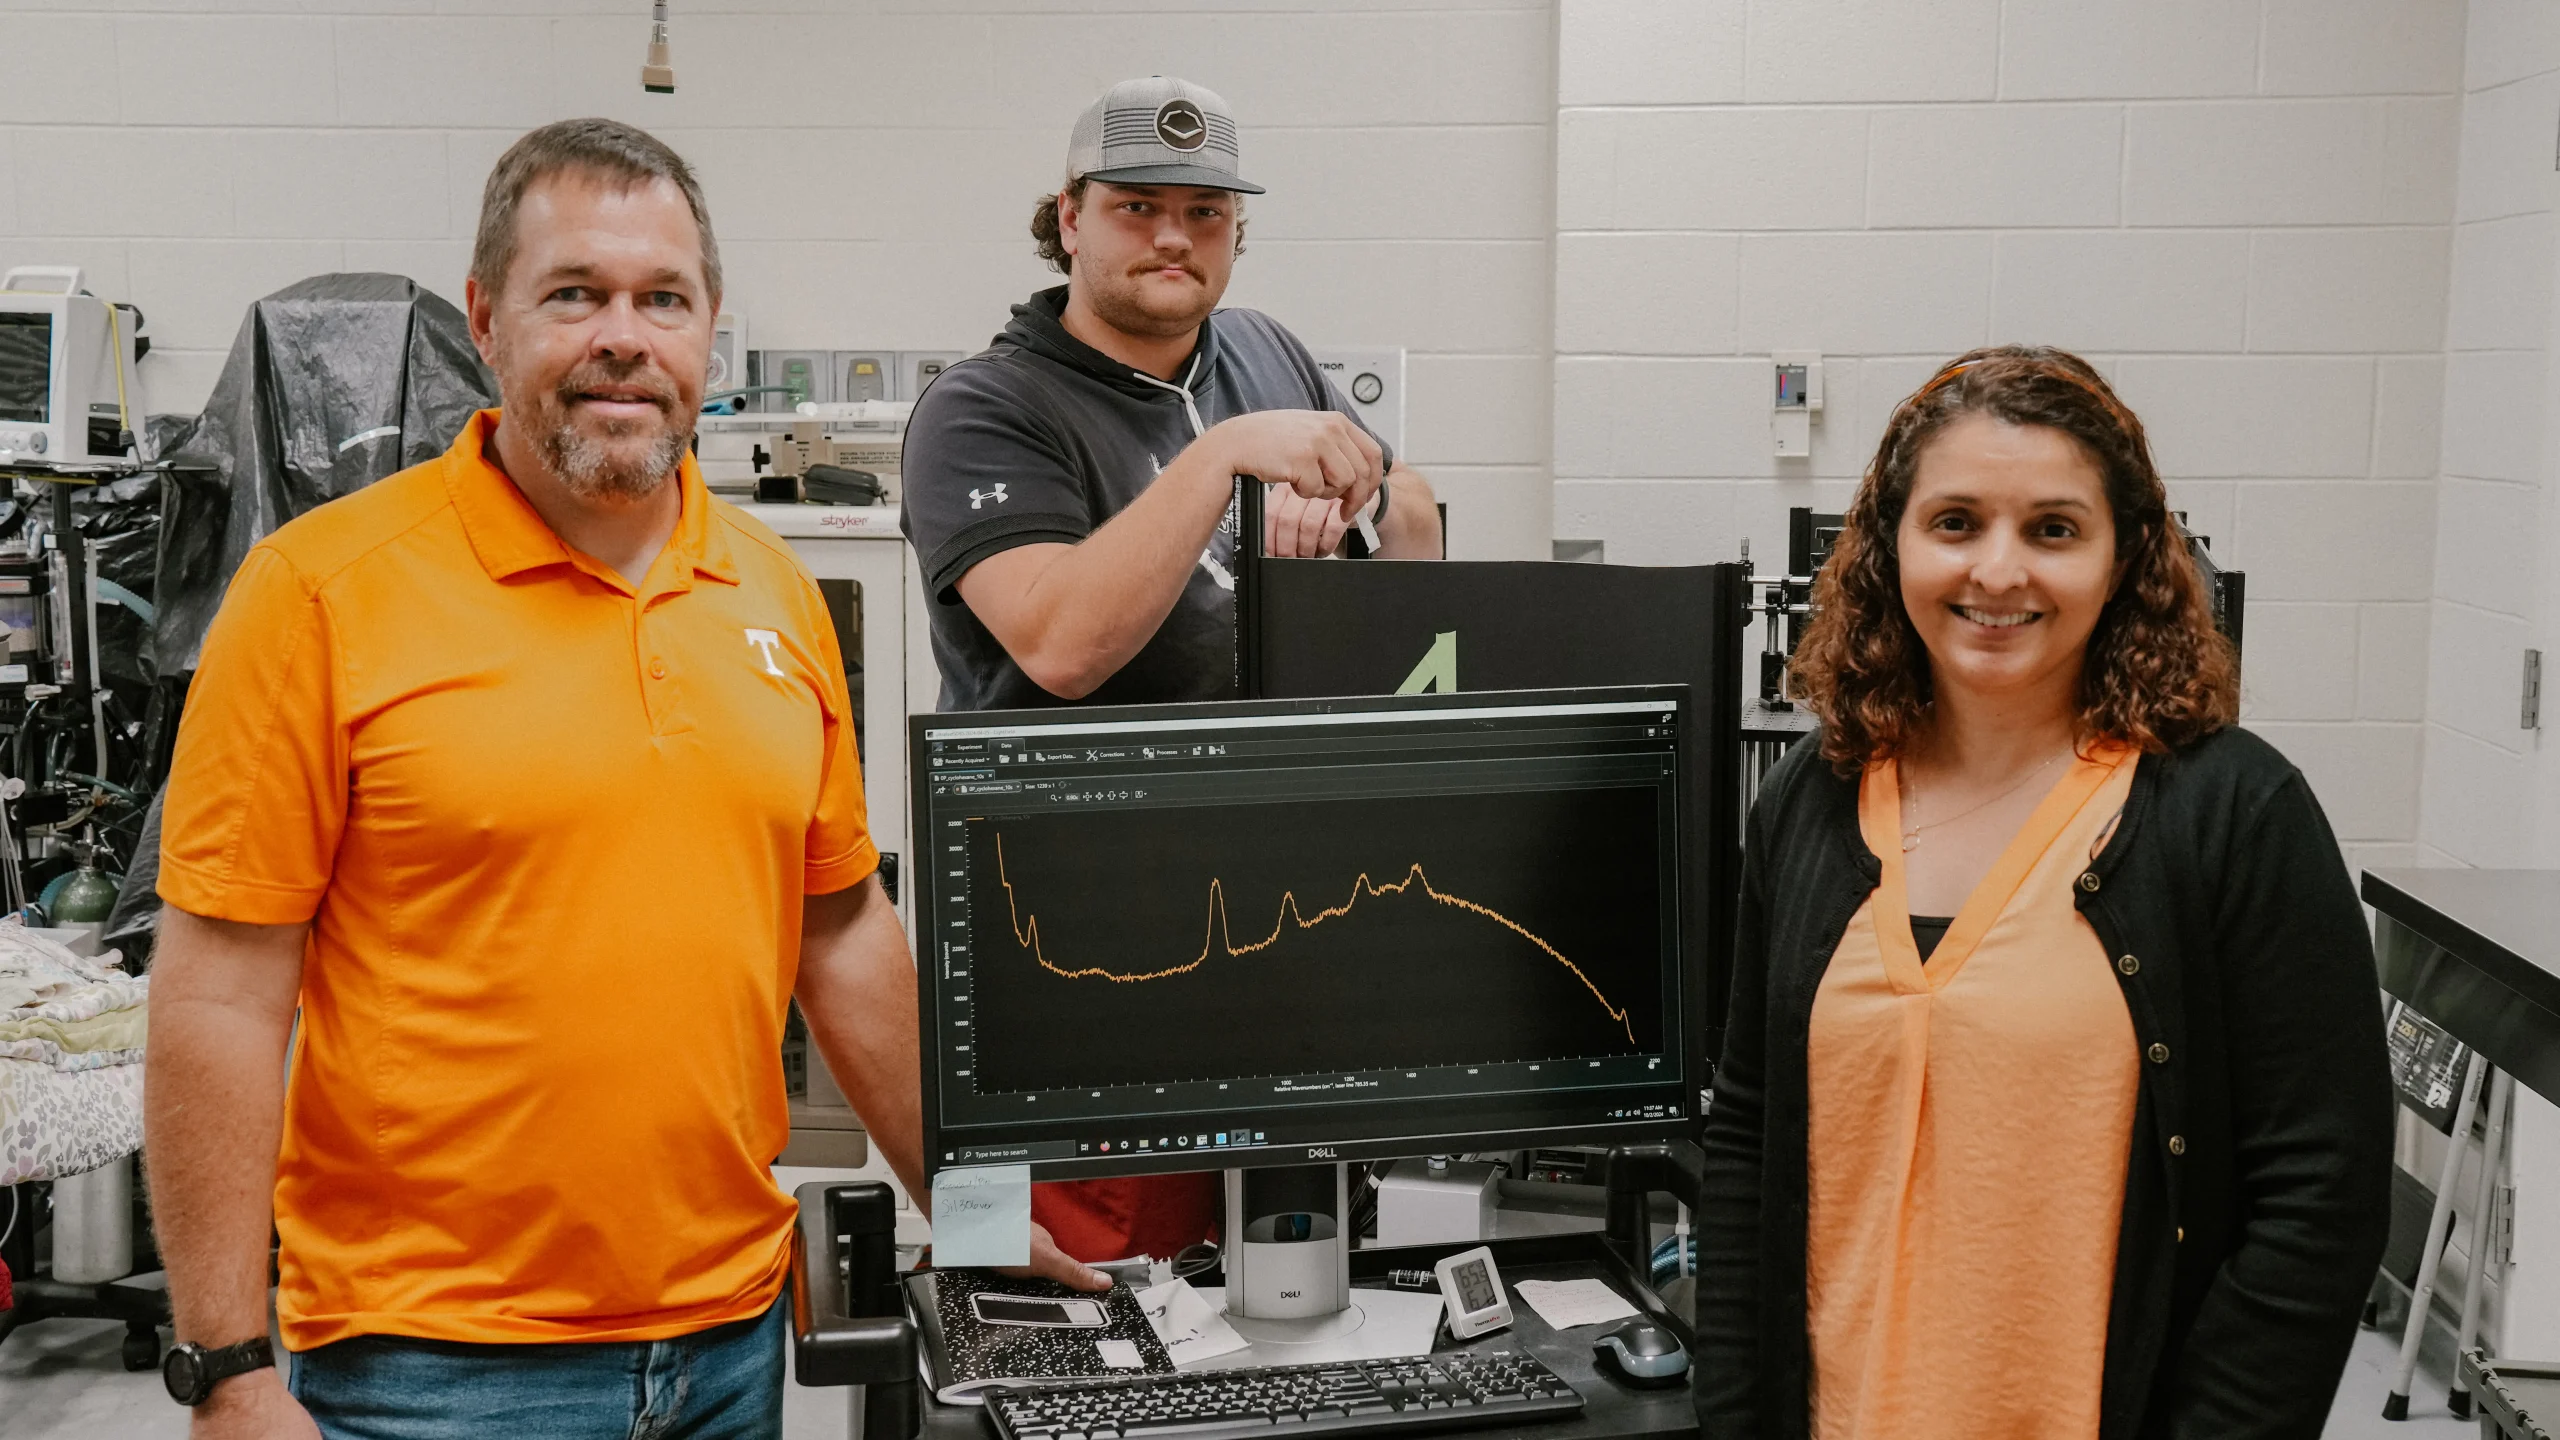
{"x": 1180, "y": 126}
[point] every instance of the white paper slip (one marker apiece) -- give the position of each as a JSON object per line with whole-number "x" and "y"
{"x": 1190, "y": 1329}
{"x": 1565, "y": 1304}
{"x": 982, "y": 1215}
{"x": 1119, "y": 1354}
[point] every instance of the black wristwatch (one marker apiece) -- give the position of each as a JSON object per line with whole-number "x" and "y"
{"x": 191, "y": 1371}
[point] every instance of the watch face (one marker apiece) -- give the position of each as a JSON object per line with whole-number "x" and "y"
{"x": 182, "y": 1370}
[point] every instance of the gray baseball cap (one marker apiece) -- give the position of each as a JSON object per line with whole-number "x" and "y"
{"x": 1157, "y": 131}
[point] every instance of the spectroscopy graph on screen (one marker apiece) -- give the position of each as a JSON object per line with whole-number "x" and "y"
{"x": 1155, "y": 946}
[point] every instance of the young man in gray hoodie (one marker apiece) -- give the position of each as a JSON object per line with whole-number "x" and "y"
{"x": 1073, "y": 490}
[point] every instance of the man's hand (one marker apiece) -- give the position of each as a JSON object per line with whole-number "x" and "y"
{"x": 1051, "y": 1263}
{"x": 254, "y": 1406}
{"x": 1294, "y": 526}
{"x": 1317, "y": 453}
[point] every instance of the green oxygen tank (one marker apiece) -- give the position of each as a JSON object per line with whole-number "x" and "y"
{"x": 88, "y": 896}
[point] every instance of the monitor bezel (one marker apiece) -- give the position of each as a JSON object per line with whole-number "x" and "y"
{"x": 1690, "y": 908}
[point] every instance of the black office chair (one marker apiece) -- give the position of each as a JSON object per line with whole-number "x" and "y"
{"x": 41, "y": 1297}
{"x": 848, "y": 1319}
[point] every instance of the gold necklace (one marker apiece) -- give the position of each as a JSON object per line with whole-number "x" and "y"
{"x": 1911, "y": 837}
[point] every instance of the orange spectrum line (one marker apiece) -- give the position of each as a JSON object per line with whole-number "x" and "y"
{"x": 1026, "y": 934}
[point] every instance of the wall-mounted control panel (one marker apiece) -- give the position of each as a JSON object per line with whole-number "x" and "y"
{"x": 1797, "y": 401}
{"x": 830, "y": 377}
{"x": 1373, "y": 381}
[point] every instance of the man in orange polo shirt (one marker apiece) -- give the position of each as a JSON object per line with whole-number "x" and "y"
{"x": 529, "y": 775}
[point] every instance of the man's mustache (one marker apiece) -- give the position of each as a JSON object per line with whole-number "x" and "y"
{"x": 579, "y": 382}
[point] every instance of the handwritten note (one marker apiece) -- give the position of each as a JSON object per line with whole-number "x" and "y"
{"x": 982, "y": 1215}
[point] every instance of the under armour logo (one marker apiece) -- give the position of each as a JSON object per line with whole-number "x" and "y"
{"x": 981, "y": 497}
{"x": 764, "y": 641}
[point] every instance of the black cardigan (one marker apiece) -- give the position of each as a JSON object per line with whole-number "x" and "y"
{"x": 2258, "y": 1197}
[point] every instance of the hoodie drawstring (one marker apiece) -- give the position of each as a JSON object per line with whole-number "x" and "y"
{"x": 1182, "y": 389}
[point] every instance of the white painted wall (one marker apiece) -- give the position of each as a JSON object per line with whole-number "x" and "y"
{"x": 1589, "y": 221}
{"x": 2492, "y": 793}
{"x": 871, "y": 168}
{"x": 2240, "y": 209}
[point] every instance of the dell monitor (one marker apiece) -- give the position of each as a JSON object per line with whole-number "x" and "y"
{"x": 1257, "y": 935}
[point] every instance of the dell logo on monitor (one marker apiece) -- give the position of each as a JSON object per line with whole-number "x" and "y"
{"x": 1319, "y": 1152}
{"x": 1291, "y": 1294}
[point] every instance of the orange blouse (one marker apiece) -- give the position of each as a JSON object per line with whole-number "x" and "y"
{"x": 1971, "y": 1119}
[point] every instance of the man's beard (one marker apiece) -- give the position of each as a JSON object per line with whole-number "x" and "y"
{"x": 596, "y": 470}
{"x": 600, "y": 468}
{"x": 1117, "y": 304}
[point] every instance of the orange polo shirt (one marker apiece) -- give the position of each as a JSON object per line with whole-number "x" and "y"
{"x": 552, "y": 832}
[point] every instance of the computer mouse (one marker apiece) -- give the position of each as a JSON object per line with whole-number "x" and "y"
{"x": 1645, "y": 1354}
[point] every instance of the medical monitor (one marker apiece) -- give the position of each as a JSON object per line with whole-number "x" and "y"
{"x": 1275, "y": 932}
{"x": 63, "y": 354}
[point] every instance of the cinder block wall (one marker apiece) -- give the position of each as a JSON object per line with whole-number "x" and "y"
{"x": 870, "y": 166}
{"x": 2306, "y": 237}
{"x": 2240, "y": 209}
{"x": 2492, "y": 792}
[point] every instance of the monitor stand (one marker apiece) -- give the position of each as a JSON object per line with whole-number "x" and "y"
{"x": 1288, "y": 1264}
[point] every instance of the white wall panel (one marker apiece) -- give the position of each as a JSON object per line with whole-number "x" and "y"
{"x": 405, "y": 71}
{"x": 2124, "y": 49}
{"x": 217, "y": 70}
{"x": 2493, "y": 416}
{"x": 2256, "y": 162}
{"x": 1649, "y": 52}
{"x": 1763, "y": 168}
{"x": 2507, "y": 150}
{"x": 1869, "y": 50}
{"x": 2408, "y": 416}
{"x": 2301, "y": 661}
{"x": 2391, "y": 662}
{"x": 1994, "y": 165}
{"x": 2355, "y": 47}
{"x": 2333, "y": 291}
{"x": 1864, "y": 292}
{"x": 2123, "y": 289}
{"x": 2365, "y": 775}
{"x": 2336, "y": 539}
{"x": 2487, "y": 544}
{"x": 56, "y": 60}
{"x": 1647, "y": 293}
{"x": 2251, "y": 417}
{"x": 2501, "y": 283}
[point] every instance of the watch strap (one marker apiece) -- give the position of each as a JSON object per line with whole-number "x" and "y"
{"x": 215, "y": 1366}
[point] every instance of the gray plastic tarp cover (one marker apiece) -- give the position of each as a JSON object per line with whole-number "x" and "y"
{"x": 333, "y": 383}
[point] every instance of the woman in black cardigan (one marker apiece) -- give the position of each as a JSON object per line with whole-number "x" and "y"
{"x": 2009, "y": 613}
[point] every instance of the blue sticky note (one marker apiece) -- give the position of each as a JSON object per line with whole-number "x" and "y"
{"x": 982, "y": 1215}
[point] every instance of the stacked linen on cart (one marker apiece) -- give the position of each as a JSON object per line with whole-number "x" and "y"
{"x": 72, "y": 1031}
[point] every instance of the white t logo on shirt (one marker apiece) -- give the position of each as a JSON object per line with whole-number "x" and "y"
{"x": 764, "y": 641}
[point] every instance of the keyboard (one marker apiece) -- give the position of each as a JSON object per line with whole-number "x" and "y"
{"x": 1431, "y": 1392}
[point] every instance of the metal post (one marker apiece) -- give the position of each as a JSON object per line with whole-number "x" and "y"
{"x": 2484, "y": 1227}
{"x": 2422, "y": 1295}
{"x": 1248, "y": 581}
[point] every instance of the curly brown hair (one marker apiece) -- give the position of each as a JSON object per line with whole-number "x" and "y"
{"x": 1044, "y": 227}
{"x": 2157, "y": 674}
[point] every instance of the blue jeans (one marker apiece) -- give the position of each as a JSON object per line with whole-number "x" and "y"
{"x": 724, "y": 1383}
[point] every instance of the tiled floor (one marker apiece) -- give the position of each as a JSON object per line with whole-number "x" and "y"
{"x": 60, "y": 1381}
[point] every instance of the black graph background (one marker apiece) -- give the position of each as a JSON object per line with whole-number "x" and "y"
{"x": 1401, "y": 981}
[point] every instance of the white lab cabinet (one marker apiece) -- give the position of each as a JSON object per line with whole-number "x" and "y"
{"x": 859, "y": 548}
